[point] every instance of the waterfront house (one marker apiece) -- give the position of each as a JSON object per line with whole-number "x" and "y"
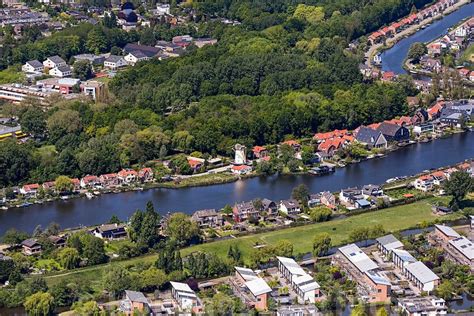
{"x": 135, "y": 302}
{"x": 329, "y": 147}
{"x": 438, "y": 177}
{"x": 393, "y": 132}
{"x": 290, "y": 207}
{"x": 240, "y": 169}
{"x": 454, "y": 117}
{"x": 462, "y": 250}
{"x": 372, "y": 190}
{"x": 61, "y": 71}
{"x": 89, "y": 181}
{"x": 423, "y": 306}
{"x": 54, "y": 62}
{"x": 57, "y": 241}
{"x": 110, "y": 231}
{"x": 76, "y": 184}
{"x": 427, "y": 127}
{"x": 314, "y": 200}
{"x": 294, "y": 144}
{"x": 109, "y": 180}
{"x": 321, "y": 137}
{"x": 328, "y": 199}
{"x": 244, "y": 210}
{"x": 33, "y": 66}
{"x": 388, "y": 76}
{"x": 375, "y": 38}
{"x": 269, "y": 207}
{"x": 259, "y": 152}
{"x": 371, "y": 138}
{"x": 145, "y": 174}
{"x": 115, "y": 62}
{"x": 350, "y": 195}
{"x": 49, "y": 186}
{"x": 31, "y": 247}
{"x": 127, "y": 176}
{"x": 208, "y": 218}
{"x": 388, "y": 243}
{"x": 195, "y": 163}
{"x": 435, "y": 111}
{"x": 421, "y": 276}
{"x": 185, "y": 297}
{"x": 424, "y": 183}
{"x": 30, "y": 190}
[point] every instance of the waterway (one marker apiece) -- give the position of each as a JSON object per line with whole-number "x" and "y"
{"x": 393, "y": 58}
{"x": 405, "y": 161}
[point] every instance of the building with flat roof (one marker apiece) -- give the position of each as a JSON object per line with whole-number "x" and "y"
{"x": 421, "y": 276}
{"x": 305, "y": 287}
{"x": 464, "y": 250}
{"x": 423, "y": 306}
{"x": 260, "y": 291}
{"x": 358, "y": 258}
{"x": 185, "y": 297}
{"x": 445, "y": 233}
{"x": 387, "y": 243}
{"x": 401, "y": 258}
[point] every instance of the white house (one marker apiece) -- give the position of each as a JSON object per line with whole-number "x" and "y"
{"x": 32, "y": 66}
{"x": 421, "y": 276}
{"x": 54, "y": 61}
{"x": 424, "y": 183}
{"x": 114, "y": 62}
{"x": 61, "y": 71}
{"x": 134, "y": 57}
{"x": 290, "y": 207}
{"x": 184, "y": 296}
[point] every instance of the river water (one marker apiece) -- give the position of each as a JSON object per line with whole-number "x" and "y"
{"x": 392, "y": 59}
{"x": 405, "y": 161}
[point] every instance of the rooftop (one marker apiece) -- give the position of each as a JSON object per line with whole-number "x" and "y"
{"x": 291, "y": 265}
{"x": 136, "y": 296}
{"x": 247, "y": 274}
{"x": 358, "y": 258}
{"x": 448, "y": 231}
{"x": 389, "y": 242}
{"x": 421, "y": 272}
{"x": 464, "y": 245}
{"x": 258, "y": 286}
{"x": 404, "y": 255}
{"x": 377, "y": 278}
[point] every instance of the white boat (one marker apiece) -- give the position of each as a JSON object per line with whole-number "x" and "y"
{"x": 391, "y": 180}
{"x": 65, "y": 197}
{"x": 89, "y": 195}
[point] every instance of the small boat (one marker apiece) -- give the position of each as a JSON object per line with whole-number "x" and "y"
{"x": 4, "y": 208}
{"x": 65, "y": 197}
{"x": 391, "y": 180}
{"x": 317, "y": 171}
{"x": 89, "y": 195}
{"x": 96, "y": 192}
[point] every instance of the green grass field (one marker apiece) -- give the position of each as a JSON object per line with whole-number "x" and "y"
{"x": 392, "y": 219}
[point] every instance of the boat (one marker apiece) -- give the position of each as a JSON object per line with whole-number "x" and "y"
{"x": 391, "y": 180}
{"x": 4, "y": 208}
{"x": 65, "y": 197}
{"x": 96, "y": 192}
{"x": 89, "y": 195}
{"x": 318, "y": 171}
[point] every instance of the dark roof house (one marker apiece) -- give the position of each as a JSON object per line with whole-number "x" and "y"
{"x": 371, "y": 138}
{"x": 142, "y": 50}
{"x": 394, "y": 132}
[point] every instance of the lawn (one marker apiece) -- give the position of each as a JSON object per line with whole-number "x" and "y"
{"x": 393, "y": 219}
{"x": 207, "y": 179}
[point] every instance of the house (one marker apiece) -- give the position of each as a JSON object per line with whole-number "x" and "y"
{"x": 127, "y": 176}
{"x": 240, "y": 169}
{"x": 259, "y": 152}
{"x": 115, "y": 62}
{"x": 305, "y": 287}
{"x": 380, "y": 287}
{"x": 294, "y": 144}
{"x": 260, "y": 293}
{"x": 57, "y": 241}
{"x": 32, "y": 66}
{"x": 394, "y": 133}
{"x": 435, "y": 111}
{"x": 427, "y": 127}
{"x": 207, "y": 218}
{"x": 438, "y": 177}
{"x": 145, "y": 174}
{"x": 445, "y": 233}
{"x": 463, "y": 250}
{"x": 321, "y": 137}
{"x": 94, "y": 89}
{"x": 30, "y": 189}
{"x": 61, "y": 71}
{"x": 54, "y": 62}
{"x": 328, "y": 199}
{"x": 135, "y": 302}
{"x": 110, "y": 231}
{"x": 109, "y": 180}
{"x": 330, "y": 146}
{"x": 89, "y": 181}
{"x": 423, "y": 306}
{"x": 401, "y": 258}
{"x": 91, "y": 58}
{"x": 388, "y": 243}
{"x": 421, "y": 276}
{"x": 201, "y": 42}
{"x": 424, "y": 183}
{"x": 185, "y": 297}
{"x": 31, "y": 247}
{"x": 290, "y": 207}
{"x": 350, "y": 195}
{"x": 371, "y": 138}
{"x": 134, "y": 57}
{"x": 244, "y": 210}
{"x": 269, "y": 206}
{"x": 314, "y": 200}
{"x": 372, "y": 190}
{"x": 388, "y": 76}
{"x": 357, "y": 258}
{"x": 49, "y": 185}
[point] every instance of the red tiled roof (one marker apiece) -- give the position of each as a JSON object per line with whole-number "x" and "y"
{"x": 258, "y": 149}
{"x": 127, "y": 172}
{"x": 194, "y": 163}
{"x": 291, "y": 142}
{"x": 374, "y": 125}
{"x": 90, "y": 178}
{"x": 240, "y": 167}
{"x": 29, "y": 187}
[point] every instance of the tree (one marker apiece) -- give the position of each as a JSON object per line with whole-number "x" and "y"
{"x": 416, "y": 51}
{"x": 33, "y": 121}
{"x": 320, "y": 214}
{"x": 39, "y": 304}
{"x": 359, "y": 310}
{"x": 459, "y": 184}
{"x": 321, "y": 244}
{"x": 311, "y": 14}
{"x": 63, "y": 184}
{"x": 63, "y": 122}
{"x": 220, "y": 304}
{"x": 152, "y": 279}
{"x": 90, "y": 308}
{"x": 114, "y": 220}
{"x": 181, "y": 229}
{"x": 6, "y": 269}
{"x": 93, "y": 249}
{"x": 64, "y": 293}
{"x": 301, "y": 194}
{"x": 97, "y": 41}
{"x": 69, "y": 258}
{"x": 446, "y": 290}
{"x": 15, "y": 162}
{"x": 227, "y": 209}
{"x": 283, "y": 248}
{"x": 358, "y": 234}
{"x": 116, "y": 280}
{"x": 147, "y": 37}
{"x": 382, "y": 312}
{"x": 14, "y": 237}
{"x": 82, "y": 70}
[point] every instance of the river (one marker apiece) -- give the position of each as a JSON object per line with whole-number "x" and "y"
{"x": 393, "y": 58}
{"x": 405, "y": 161}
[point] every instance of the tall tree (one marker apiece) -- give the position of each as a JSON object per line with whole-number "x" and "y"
{"x": 39, "y": 304}
{"x": 321, "y": 244}
{"x": 459, "y": 184}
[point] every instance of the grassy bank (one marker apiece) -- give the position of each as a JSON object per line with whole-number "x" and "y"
{"x": 208, "y": 179}
{"x": 393, "y": 219}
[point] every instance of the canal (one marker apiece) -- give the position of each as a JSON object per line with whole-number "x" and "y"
{"x": 405, "y": 161}
{"x": 393, "y": 58}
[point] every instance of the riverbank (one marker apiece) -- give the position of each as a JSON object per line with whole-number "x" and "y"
{"x": 392, "y": 219}
{"x": 411, "y": 30}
